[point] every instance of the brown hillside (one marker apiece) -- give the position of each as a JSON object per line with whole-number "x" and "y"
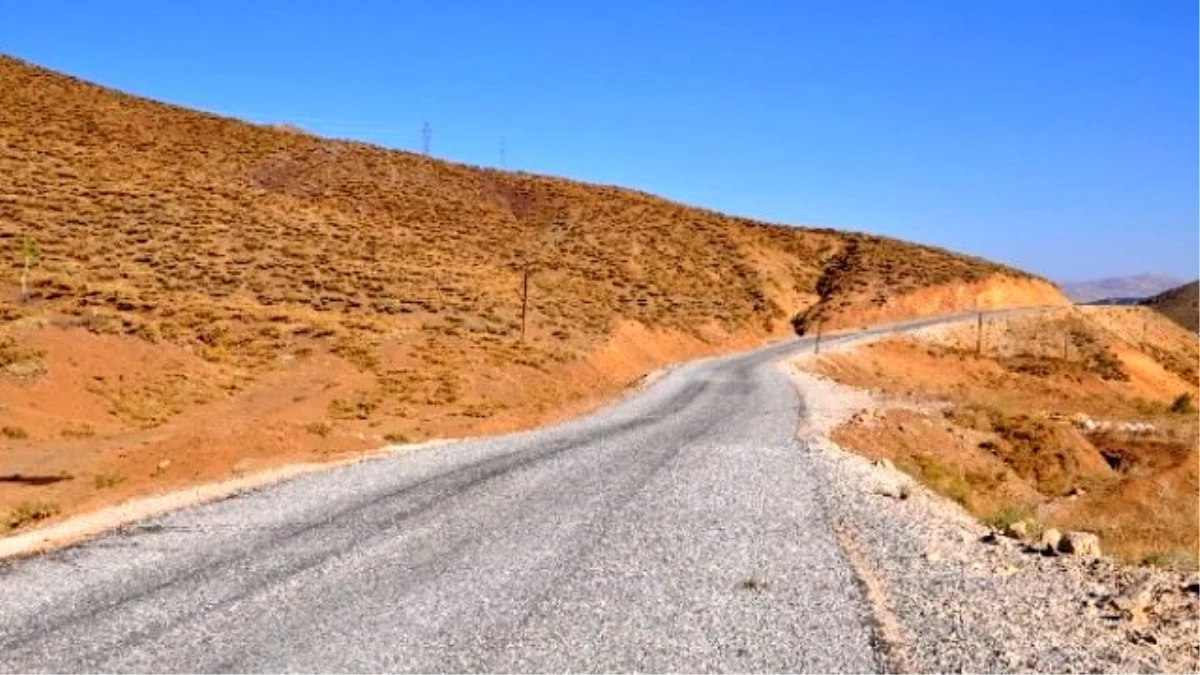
{"x": 1181, "y": 305}
{"x": 1082, "y": 418}
{"x": 210, "y": 292}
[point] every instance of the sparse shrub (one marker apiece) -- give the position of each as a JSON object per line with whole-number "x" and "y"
{"x": 80, "y": 430}
{"x": 1008, "y": 515}
{"x": 28, "y": 513}
{"x": 107, "y": 480}
{"x": 319, "y": 428}
{"x": 1097, "y": 358}
{"x": 147, "y": 331}
{"x": 15, "y": 433}
{"x": 1182, "y": 405}
{"x": 479, "y": 410}
{"x": 941, "y": 478}
{"x": 358, "y": 351}
{"x": 360, "y": 407}
{"x": 395, "y": 437}
{"x": 20, "y": 361}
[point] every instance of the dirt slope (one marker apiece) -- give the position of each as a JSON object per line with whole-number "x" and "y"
{"x": 1084, "y": 419}
{"x": 210, "y": 295}
{"x": 1180, "y": 304}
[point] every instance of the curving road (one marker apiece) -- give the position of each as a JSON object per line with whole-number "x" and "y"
{"x": 678, "y": 530}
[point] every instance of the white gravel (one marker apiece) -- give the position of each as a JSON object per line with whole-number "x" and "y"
{"x": 963, "y": 605}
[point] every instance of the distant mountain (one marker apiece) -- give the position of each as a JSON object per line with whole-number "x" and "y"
{"x": 1132, "y": 287}
{"x": 1180, "y": 304}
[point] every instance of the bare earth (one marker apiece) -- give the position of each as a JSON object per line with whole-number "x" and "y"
{"x": 953, "y": 603}
{"x": 959, "y": 604}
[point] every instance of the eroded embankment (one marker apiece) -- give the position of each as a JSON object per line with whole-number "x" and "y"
{"x": 1073, "y": 419}
{"x": 998, "y": 291}
{"x": 93, "y": 418}
{"x": 955, "y": 598}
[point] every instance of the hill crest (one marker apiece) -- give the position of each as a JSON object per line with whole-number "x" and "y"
{"x": 1180, "y": 304}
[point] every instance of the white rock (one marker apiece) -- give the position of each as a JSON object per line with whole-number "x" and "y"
{"x": 1083, "y": 544}
{"x": 1017, "y": 530}
{"x": 1134, "y": 600}
{"x": 1049, "y": 541}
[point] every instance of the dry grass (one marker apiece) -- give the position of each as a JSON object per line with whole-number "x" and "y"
{"x": 15, "y": 433}
{"x": 28, "y": 513}
{"x": 107, "y": 480}
{"x": 1008, "y": 447}
{"x": 209, "y": 288}
{"x": 238, "y": 240}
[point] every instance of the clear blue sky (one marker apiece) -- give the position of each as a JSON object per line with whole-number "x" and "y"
{"x": 1060, "y": 136}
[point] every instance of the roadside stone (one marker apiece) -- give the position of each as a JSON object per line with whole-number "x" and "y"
{"x": 1082, "y": 544}
{"x": 1017, "y": 530}
{"x": 1049, "y": 541}
{"x": 1193, "y": 584}
{"x": 1133, "y": 602}
{"x": 885, "y": 464}
{"x": 894, "y": 489}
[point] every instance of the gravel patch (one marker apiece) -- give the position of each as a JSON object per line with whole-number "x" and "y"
{"x": 966, "y": 605}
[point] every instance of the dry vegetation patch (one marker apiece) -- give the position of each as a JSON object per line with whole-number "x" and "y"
{"x": 1097, "y": 437}
{"x": 208, "y": 292}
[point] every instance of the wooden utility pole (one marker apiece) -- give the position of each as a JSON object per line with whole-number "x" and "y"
{"x": 29, "y": 255}
{"x": 979, "y": 334}
{"x": 817, "y": 347}
{"x": 524, "y": 298}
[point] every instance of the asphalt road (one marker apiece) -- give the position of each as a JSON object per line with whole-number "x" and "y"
{"x": 678, "y": 530}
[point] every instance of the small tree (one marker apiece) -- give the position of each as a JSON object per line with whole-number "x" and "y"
{"x": 29, "y": 256}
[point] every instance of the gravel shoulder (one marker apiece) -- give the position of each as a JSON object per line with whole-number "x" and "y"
{"x": 959, "y": 600}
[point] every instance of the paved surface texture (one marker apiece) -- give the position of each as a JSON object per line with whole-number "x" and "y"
{"x": 679, "y": 530}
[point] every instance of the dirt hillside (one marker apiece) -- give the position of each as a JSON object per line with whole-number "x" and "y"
{"x": 206, "y": 296}
{"x": 1181, "y": 305}
{"x": 1079, "y": 419}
